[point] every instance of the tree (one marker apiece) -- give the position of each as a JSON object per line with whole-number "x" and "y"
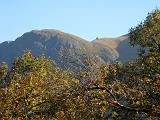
{"x": 133, "y": 89}
{"x": 3, "y": 74}
{"x": 38, "y": 89}
{"x": 25, "y": 91}
{"x": 147, "y": 33}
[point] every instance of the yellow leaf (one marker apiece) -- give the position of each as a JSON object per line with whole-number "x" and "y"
{"x": 114, "y": 114}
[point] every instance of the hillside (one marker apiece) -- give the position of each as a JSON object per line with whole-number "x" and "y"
{"x": 121, "y": 45}
{"x": 55, "y": 44}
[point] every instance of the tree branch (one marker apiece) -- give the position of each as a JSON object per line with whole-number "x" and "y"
{"x": 154, "y": 40}
{"x": 118, "y": 104}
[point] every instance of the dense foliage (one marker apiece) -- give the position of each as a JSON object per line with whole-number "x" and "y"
{"x": 36, "y": 88}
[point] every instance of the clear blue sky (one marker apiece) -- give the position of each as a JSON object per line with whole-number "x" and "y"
{"x": 86, "y": 18}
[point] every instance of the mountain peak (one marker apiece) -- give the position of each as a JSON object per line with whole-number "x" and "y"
{"x": 111, "y": 42}
{"x": 51, "y": 33}
{"x": 47, "y": 32}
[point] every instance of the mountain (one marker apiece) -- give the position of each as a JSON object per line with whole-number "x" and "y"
{"x": 64, "y": 47}
{"x": 121, "y": 45}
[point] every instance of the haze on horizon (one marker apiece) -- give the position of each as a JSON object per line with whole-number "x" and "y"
{"x": 86, "y": 19}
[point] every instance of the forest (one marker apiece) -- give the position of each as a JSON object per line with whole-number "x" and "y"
{"x": 36, "y": 88}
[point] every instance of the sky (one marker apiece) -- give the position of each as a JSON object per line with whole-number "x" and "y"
{"x": 85, "y": 18}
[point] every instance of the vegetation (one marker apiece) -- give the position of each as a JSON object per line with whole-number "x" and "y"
{"x": 36, "y": 88}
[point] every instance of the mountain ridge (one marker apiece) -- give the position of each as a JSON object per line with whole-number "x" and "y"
{"x": 50, "y": 41}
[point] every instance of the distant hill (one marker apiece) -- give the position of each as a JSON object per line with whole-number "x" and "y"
{"x": 57, "y": 44}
